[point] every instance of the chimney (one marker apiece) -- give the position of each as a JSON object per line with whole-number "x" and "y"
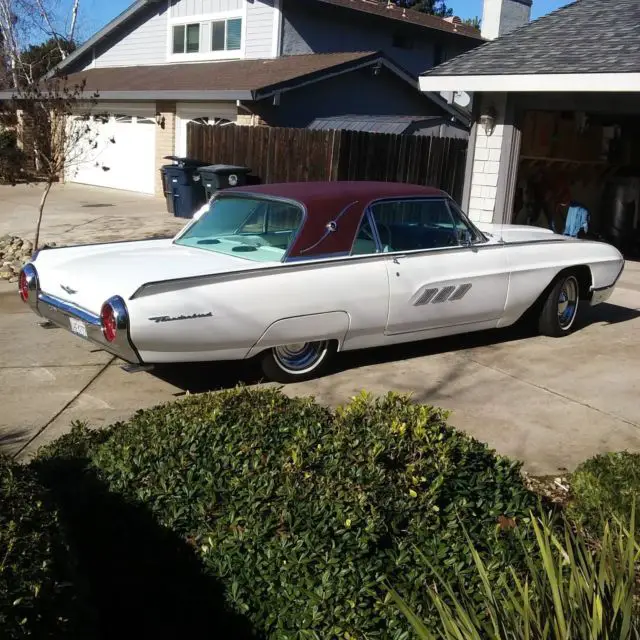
{"x": 500, "y": 17}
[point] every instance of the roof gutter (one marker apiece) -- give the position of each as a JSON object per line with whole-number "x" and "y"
{"x": 534, "y": 83}
{"x": 158, "y": 95}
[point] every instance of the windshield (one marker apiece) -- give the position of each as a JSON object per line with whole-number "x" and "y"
{"x": 252, "y": 228}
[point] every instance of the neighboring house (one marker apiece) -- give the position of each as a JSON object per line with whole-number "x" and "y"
{"x": 556, "y": 116}
{"x": 288, "y": 63}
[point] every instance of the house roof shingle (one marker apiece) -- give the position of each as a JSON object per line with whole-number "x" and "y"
{"x": 588, "y": 36}
{"x": 229, "y": 76}
{"x": 391, "y": 11}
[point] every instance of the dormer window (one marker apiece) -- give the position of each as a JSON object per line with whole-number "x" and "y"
{"x": 226, "y": 35}
{"x": 186, "y": 38}
{"x": 209, "y": 38}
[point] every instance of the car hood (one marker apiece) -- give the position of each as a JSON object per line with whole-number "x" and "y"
{"x": 518, "y": 233}
{"x": 88, "y": 276}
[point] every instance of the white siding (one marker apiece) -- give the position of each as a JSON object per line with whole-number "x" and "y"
{"x": 260, "y": 22}
{"x": 187, "y": 8}
{"x": 486, "y": 166}
{"x": 143, "y": 42}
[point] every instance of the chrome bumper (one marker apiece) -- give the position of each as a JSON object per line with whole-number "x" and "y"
{"x": 598, "y": 296}
{"x": 61, "y": 313}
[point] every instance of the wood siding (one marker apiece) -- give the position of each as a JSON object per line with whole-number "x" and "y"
{"x": 260, "y": 17}
{"x": 291, "y": 155}
{"x": 187, "y": 8}
{"x": 144, "y": 41}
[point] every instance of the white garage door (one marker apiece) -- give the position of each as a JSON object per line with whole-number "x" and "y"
{"x": 119, "y": 153}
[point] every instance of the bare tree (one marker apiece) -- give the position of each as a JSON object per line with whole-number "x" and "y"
{"x": 25, "y": 22}
{"x": 60, "y": 134}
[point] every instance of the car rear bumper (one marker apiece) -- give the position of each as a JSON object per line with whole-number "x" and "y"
{"x": 79, "y": 321}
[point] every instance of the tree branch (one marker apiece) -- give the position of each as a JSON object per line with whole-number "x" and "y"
{"x": 74, "y": 21}
{"x": 45, "y": 16}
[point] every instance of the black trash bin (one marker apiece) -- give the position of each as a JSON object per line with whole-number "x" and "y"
{"x": 183, "y": 187}
{"x": 222, "y": 176}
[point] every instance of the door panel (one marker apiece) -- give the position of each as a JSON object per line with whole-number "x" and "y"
{"x": 445, "y": 288}
{"x": 440, "y": 272}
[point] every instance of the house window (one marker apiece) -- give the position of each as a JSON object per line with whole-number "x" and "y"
{"x": 226, "y": 35}
{"x": 186, "y": 38}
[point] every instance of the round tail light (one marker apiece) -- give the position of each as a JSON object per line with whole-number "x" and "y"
{"x": 23, "y": 286}
{"x": 109, "y": 322}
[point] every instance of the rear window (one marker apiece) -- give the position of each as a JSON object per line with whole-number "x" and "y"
{"x": 256, "y": 229}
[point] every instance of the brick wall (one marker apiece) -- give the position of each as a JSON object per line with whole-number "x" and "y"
{"x": 165, "y": 140}
{"x": 486, "y": 164}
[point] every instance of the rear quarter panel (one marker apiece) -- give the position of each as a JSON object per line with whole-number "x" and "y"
{"x": 237, "y": 316}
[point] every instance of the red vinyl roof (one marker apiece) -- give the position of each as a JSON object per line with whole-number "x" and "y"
{"x": 340, "y": 202}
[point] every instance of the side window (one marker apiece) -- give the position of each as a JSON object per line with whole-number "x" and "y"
{"x": 411, "y": 225}
{"x": 364, "y": 243}
{"x": 283, "y": 217}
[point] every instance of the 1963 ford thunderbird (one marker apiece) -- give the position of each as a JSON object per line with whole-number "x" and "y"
{"x": 292, "y": 273}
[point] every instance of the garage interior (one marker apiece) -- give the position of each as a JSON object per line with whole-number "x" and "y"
{"x": 578, "y": 169}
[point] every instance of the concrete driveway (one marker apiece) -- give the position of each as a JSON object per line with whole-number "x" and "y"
{"x": 550, "y": 403}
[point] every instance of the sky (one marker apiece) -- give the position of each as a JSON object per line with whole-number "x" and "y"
{"x": 96, "y": 13}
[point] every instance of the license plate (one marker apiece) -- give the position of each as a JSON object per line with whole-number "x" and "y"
{"x": 78, "y": 327}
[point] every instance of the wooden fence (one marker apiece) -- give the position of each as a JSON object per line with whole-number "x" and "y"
{"x": 290, "y": 155}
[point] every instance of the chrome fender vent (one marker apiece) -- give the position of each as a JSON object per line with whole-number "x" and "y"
{"x": 445, "y": 294}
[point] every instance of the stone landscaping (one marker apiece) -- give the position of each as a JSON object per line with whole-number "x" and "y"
{"x": 14, "y": 252}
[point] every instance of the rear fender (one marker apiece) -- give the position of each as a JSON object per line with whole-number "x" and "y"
{"x": 333, "y": 325}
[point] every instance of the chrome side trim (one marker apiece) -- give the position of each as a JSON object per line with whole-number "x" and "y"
{"x": 148, "y": 287}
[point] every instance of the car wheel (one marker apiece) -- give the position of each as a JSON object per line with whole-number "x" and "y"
{"x": 298, "y": 362}
{"x": 560, "y": 309}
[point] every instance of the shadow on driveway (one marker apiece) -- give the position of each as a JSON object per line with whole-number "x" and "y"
{"x": 202, "y": 377}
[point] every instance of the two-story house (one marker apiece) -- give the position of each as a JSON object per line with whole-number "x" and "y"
{"x": 299, "y": 63}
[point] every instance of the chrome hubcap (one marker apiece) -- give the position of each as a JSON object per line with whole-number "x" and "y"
{"x": 300, "y": 357}
{"x": 568, "y": 303}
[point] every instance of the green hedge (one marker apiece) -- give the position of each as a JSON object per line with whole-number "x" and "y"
{"x": 606, "y": 487}
{"x": 38, "y": 590}
{"x": 294, "y": 514}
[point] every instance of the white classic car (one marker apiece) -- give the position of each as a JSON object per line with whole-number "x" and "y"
{"x": 292, "y": 273}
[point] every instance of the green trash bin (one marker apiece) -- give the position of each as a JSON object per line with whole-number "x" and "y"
{"x": 222, "y": 176}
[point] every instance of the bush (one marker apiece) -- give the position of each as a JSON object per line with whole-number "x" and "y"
{"x": 38, "y": 597}
{"x": 572, "y": 589}
{"x": 606, "y": 487}
{"x": 302, "y": 513}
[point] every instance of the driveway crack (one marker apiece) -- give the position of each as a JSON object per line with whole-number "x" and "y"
{"x": 64, "y": 408}
{"x": 556, "y": 393}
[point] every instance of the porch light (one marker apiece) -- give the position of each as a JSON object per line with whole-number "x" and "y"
{"x": 488, "y": 121}
{"x": 160, "y": 120}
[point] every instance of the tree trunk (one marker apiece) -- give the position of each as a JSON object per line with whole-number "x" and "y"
{"x": 43, "y": 201}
